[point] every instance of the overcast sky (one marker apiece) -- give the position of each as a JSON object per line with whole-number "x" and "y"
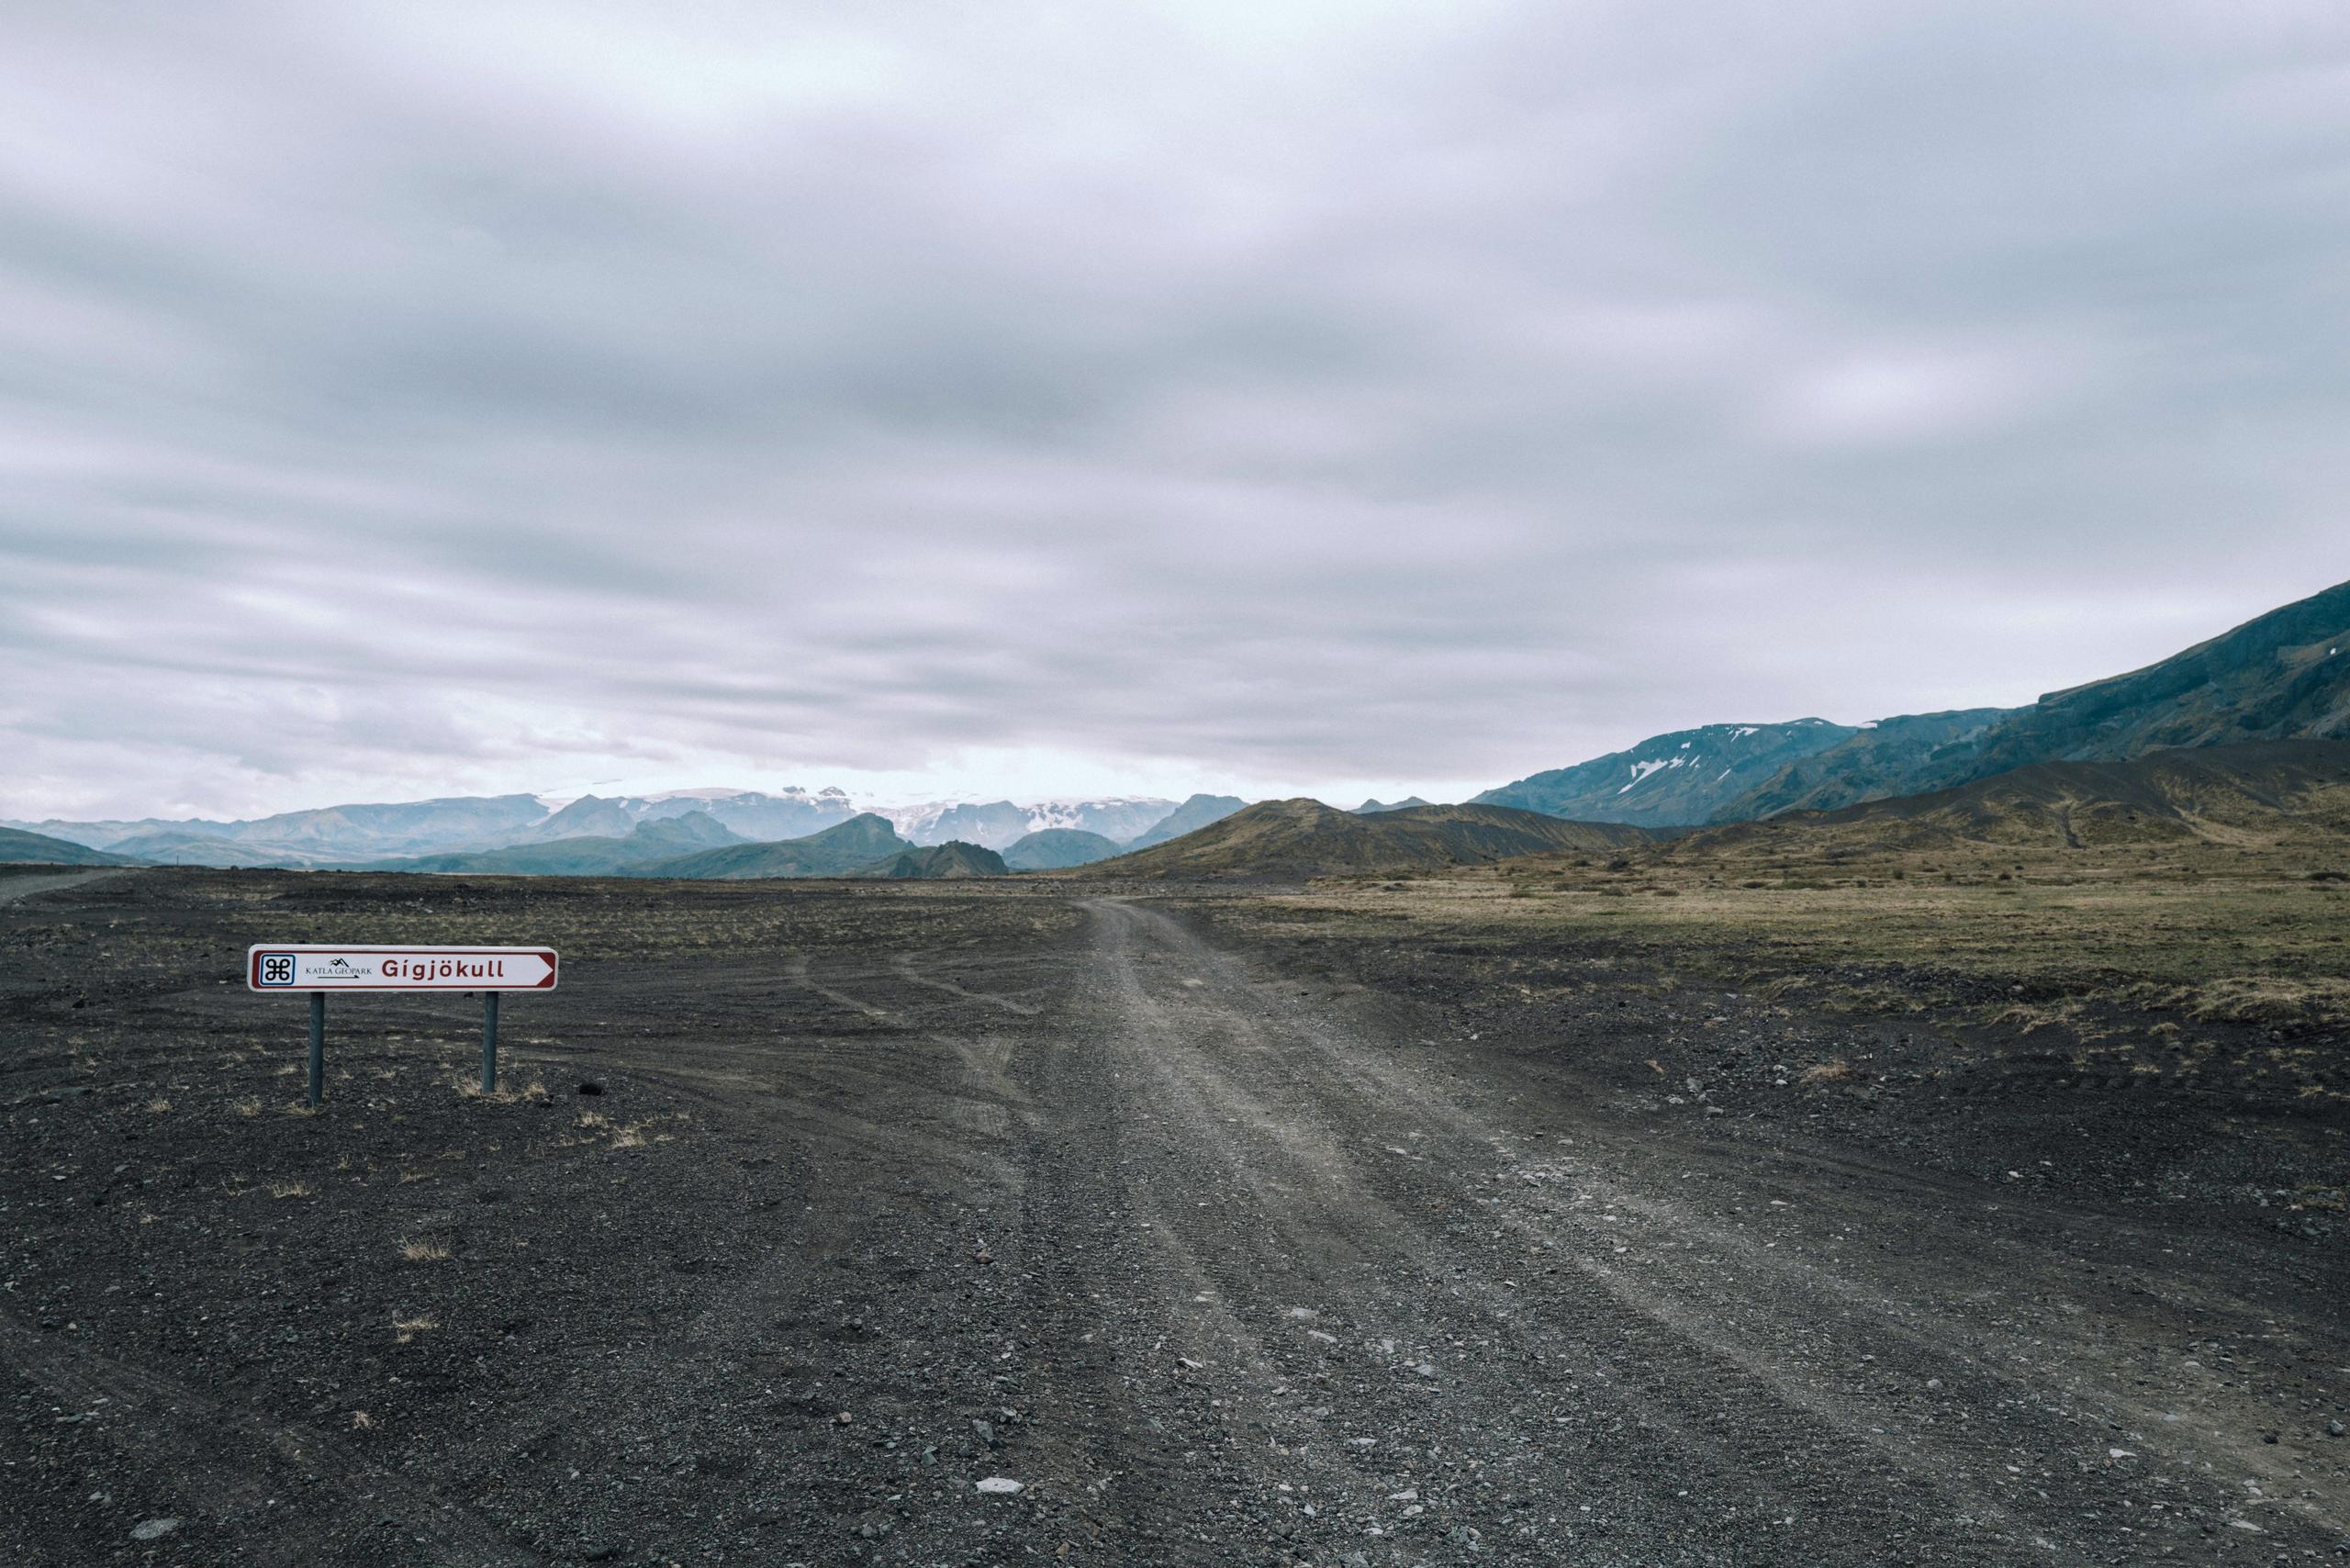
{"x": 945, "y": 399}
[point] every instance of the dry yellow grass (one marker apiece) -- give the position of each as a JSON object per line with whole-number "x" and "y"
{"x": 596, "y": 1127}
{"x": 2202, "y": 932}
{"x": 424, "y": 1251}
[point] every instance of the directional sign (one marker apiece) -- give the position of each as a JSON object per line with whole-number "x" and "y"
{"x": 299, "y": 966}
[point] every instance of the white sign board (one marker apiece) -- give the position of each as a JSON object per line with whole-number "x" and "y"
{"x": 297, "y": 966}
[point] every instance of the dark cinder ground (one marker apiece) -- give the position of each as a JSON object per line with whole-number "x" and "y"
{"x": 813, "y": 1206}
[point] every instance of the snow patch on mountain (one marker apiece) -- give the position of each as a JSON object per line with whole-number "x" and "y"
{"x": 1643, "y": 769}
{"x": 1669, "y": 780}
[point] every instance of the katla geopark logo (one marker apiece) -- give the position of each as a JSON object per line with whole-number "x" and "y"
{"x": 285, "y": 968}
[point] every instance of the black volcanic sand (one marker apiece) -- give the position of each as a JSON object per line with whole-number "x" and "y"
{"x": 810, "y": 1207}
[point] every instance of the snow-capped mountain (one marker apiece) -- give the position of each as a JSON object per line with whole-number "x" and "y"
{"x": 791, "y": 812}
{"x": 995, "y": 825}
{"x": 795, "y": 812}
{"x": 1673, "y": 779}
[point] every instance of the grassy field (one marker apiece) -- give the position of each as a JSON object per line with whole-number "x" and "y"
{"x": 2178, "y": 960}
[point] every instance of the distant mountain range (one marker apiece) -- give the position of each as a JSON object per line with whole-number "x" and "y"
{"x": 2285, "y": 676}
{"x": 997, "y": 825}
{"x": 317, "y": 838}
{"x": 593, "y": 834}
{"x": 696, "y": 846}
{"x": 2282, "y": 676}
{"x": 583, "y": 854}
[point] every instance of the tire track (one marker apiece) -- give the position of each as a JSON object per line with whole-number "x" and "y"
{"x": 905, "y": 966}
{"x": 313, "y": 1492}
{"x": 796, "y": 967}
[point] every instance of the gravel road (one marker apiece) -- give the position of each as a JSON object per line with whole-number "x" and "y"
{"x": 1437, "y": 1310}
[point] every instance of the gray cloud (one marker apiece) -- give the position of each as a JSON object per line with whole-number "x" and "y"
{"x": 397, "y": 399}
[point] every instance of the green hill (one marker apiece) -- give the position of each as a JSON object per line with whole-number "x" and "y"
{"x": 2261, "y": 795}
{"x": 585, "y": 856}
{"x": 953, "y": 858}
{"x": 19, "y": 848}
{"x": 1290, "y": 839}
{"x": 840, "y": 850}
{"x": 1056, "y": 848}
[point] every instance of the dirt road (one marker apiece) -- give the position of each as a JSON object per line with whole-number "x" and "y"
{"x": 1218, "y": 1265}
{"x": 1454, "y": 1307}
{"x": 24, "y": 886}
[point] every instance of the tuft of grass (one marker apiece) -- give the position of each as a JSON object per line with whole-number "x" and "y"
{"x": 405, "y": 1329}
{"x": 424, "y": 1251}
{"x": 249, "y": 1106}
{"x": 158, "y": 1106}
{"x": 362, "y": 1422}
{"x": 289, "y": 1188}
{"x": 1835, "y": 1071}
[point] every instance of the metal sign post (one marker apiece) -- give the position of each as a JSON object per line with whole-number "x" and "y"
{"x": 319, "y": 968}
{"x": 489, "y": 1041}
{"x": 318, "y": 1047}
